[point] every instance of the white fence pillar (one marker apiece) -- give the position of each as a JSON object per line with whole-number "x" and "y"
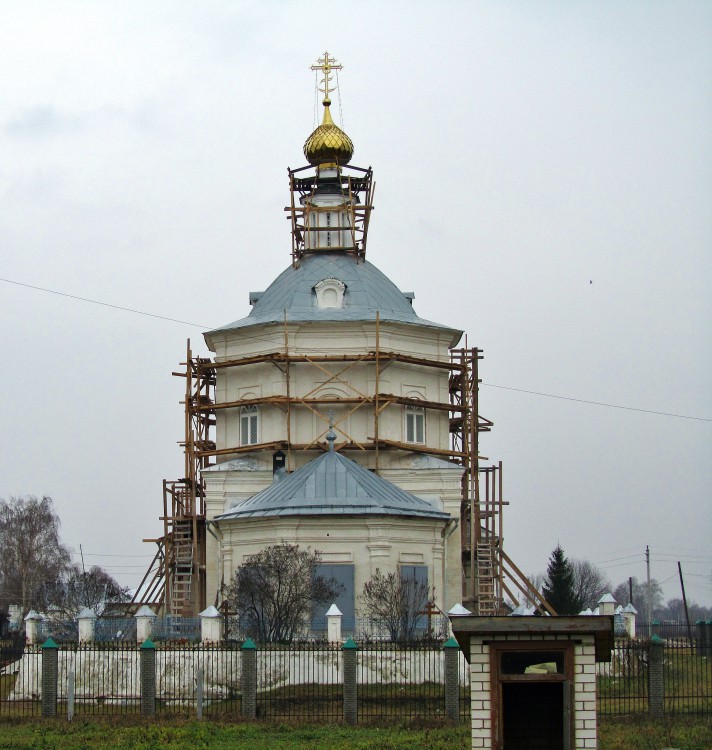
{"x": 333, "y": 624}
{"x": 210, "y": 625}
{"x": 144, "y": 623}
{"x": 87, "y": 625}
{"x": 32, "y": 627}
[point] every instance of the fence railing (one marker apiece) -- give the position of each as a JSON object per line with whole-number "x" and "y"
{"x": 656, "y": 677}
{"x": 307, "y": 680}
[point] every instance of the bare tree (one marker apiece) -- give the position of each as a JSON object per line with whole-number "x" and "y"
{"x": 31, "y": 553}
{"x": 77, "y": 589}
{"x": 276, "y": 591}
{"x": 640, "y": 594}
{"x": 397, "y": 602}
{"x": 590, "y": 583}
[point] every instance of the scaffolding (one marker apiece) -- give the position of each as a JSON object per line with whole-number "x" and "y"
{"x": 330, "y": 212}
{"x": 177, "y": 582}
{"x": 310, "y": 230}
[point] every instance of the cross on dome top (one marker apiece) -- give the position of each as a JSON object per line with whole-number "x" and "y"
{"x": 328, "y": 145}
{"x": 326, "y": 64}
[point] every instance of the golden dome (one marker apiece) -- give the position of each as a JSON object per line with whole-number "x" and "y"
{"x": 328, "y": 144}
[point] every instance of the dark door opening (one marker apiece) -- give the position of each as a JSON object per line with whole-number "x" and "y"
{"x": 533, "y": 716}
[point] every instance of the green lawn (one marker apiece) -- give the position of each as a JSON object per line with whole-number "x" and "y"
{"x": 127, "y": 733}
{"x": 194, "y": 735}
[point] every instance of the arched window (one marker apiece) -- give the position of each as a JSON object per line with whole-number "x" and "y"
{"x": 414, "y": 424}
{"x": 249, "y": 425}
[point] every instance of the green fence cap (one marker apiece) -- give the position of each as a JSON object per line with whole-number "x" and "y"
{"x": 49, "y": 643}
{"x": 249, "y": 644}
{"x": 451, "y": 643}
{"x": 148, "y": 643}
{"x": 351, "y": 643}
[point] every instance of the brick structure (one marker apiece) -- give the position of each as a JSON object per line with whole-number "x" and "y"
{"x": 533, "y": 679}
{"x": 350, "y": 652}
{"x": 50, "y": 673}
{"x": 148, "y": 678}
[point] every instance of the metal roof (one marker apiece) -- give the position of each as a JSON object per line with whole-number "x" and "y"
{"x": 368, "y": 291}
{"x": 333, "y": 485}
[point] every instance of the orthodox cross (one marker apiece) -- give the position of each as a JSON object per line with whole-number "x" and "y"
{"x": 326, "y": 64}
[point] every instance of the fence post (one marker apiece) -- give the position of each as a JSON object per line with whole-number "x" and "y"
{"x": 248, "y": 654}
{"x": 144, "y": 623}
{"x": 656, "y": 687}
{"x": 50, "y": 675}
{"x": 210, "y": 625}
{"x": 148, "y": 678}
{"x": 350, "y": 653}
{"x": 32, "y": 626}
{"x": 708, "y": 638}
{"x": 87, "y": 625}
{"x": 452, "y": 680}
{"x": 70, "y": 696}
{"x": 199, "y": 693}
{"x": 701, "y": 638}
{"x": 333, "y": 624}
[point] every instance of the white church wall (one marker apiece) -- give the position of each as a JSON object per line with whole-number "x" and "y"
{"x": 369, "y": 543}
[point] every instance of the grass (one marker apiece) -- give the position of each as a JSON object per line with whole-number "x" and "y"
{"x": 684, "y": 732}
{"x": 134, "y": 734}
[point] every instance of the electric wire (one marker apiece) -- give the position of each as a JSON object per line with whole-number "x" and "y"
{"x": 598, "y": 403}
{"x": 490, "y": 385}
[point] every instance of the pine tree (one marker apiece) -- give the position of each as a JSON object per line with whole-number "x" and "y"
{"x": 559, "y": 585}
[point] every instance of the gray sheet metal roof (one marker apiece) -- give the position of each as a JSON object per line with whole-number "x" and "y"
{"x": 333, "y": 485}
{"x": 368, "y": 291}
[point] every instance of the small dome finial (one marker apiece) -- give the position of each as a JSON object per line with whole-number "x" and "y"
{"x": 328, "y": 144}
{"x": 331, "y": 435}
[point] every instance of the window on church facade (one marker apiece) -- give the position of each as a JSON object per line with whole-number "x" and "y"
{"x": 249, "y": 425}
{"x": 345, "y": 599}
{"x": 414, "y": 424}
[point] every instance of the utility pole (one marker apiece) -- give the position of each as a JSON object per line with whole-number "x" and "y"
{"x": 684, "y": 601}
{"x": 648, "y": 597}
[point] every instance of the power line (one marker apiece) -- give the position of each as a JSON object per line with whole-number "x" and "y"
{"x": 489, "y": 385}
{"x": 104, "y": 304}
{"x": 598, "y": 403}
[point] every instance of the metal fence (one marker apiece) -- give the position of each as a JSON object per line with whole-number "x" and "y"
{"x": 687, "y": 678}
{"x": 624, "y": 686}
{"x": 300, "y": 682}
{"x": 305, "y": 681}
{"x": 364, "y": 630}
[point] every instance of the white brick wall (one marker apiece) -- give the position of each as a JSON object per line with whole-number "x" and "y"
{"x": 584, "y": 704}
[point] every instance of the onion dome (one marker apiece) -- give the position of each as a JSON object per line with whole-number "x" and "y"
{"x": 328, "y": 144}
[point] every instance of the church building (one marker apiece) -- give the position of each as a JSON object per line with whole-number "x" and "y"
{"x": 333, "y": 417}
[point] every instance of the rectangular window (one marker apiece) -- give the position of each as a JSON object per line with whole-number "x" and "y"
{"x": 249, "y": 422}
{"x": 345, "y": 599}
{"x": 417, "y": 592}
{"x": 414, "y": 424}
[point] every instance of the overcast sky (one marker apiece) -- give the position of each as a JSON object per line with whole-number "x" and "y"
{"x": 544, "y": 176}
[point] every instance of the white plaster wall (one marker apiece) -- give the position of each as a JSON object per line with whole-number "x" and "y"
{"x": 367, "y": 545}
{"x": 108, "y": 676}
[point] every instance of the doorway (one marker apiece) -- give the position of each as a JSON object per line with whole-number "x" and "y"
{"x": 533, "y": 716}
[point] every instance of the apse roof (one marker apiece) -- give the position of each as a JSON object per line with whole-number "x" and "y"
{"x": 333, "y": 485}
{"x": 368, "y": 291}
